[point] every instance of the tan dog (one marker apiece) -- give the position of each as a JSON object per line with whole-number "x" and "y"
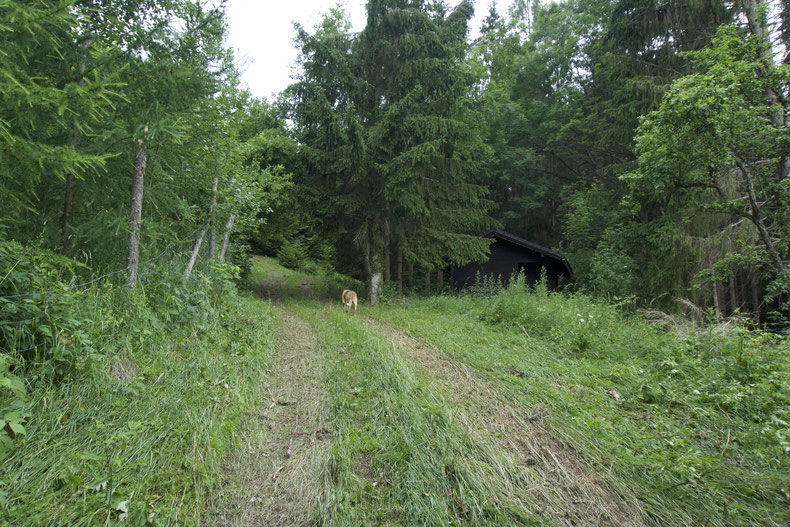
{"x": 349, "y": 297}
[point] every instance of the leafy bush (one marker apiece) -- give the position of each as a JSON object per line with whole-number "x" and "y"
{"x": 389, "y": 292}
{"x": 41, "y": 328}
{"x": 739, "y": 371}
{"x": 576, "y": 323}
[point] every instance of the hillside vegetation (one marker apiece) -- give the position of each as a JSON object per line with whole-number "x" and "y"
{"x": 152, "y": 372}
{"x": 508, "y": 407}
{"x": 694, "y": 422}
{"x": 123, "y": 403}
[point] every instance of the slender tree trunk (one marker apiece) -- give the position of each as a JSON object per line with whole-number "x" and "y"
{"x": 212, "y": 234}
{"x": 410, "y": 270}
{"x": 399, "y": 262}
{"x": 754, "y": 283}
{"x": 733, "y": 294}
{"x": 427, "y": 283}
{"x": 439, "y": 280}
{"x": 387, "y": 259}
{"x": 136, "y": 213}
{"x": 196, "y": 250}
{"x": 716, "y": 299}
{"x": 366, "y": 262}
{"x": 68, "y": 201}
{"x": 226, "y": 238}
{"x": 775, "y": 101}
{"x": 375, "y": 279}
{"x": 758, "y": 220}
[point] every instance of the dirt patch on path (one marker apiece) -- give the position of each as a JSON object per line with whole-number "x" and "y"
{"x": 570, "y": 491}
{"x": 274, "y": 479}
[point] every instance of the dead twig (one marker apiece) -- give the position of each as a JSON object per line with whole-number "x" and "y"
{"x": 524, "y": 330}
{"x": 274, "y": 401}
{"x": 557, "y": 461}
{"x": 277, "y": 472}
{"x": 722, "y": 411}
{"x": 726, "y": 444}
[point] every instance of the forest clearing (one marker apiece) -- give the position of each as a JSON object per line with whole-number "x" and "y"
{"x": 282, "y": 409}
{"x": 560, "y": 231}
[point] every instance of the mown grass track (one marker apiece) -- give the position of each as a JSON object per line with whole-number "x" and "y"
{"x": 436, "y": 417}
{"x": 415, "y": 443}
{"x": 399, "y": 454}
{"x": 676, "y": 452}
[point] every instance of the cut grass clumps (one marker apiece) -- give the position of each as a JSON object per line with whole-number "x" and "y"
{"x": 399, "y": 455}
{"x": 695, "y": 424}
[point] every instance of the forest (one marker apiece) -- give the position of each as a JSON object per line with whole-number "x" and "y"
{"x": 142, "y": 185}
{"x": 645, "y": 140}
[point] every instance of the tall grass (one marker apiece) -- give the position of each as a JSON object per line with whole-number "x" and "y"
{"x": 695, "y": 423}
{"x": 153, "y": 399}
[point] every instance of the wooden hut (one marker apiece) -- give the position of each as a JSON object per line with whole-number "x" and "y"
{"x": 511, "y": 254}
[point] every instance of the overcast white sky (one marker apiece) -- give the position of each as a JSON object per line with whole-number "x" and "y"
{"x": 261, "y": 32}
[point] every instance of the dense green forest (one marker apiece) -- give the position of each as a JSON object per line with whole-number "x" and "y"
{"x": 646, "y": 140}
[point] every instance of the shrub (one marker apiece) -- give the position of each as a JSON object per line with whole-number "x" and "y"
{"x": 42, "y": 331}
{"x": 292, "y": 254}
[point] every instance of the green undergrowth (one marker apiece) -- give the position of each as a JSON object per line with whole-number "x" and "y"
{"x": 136, "y": 400}
{"x": 399, "y": 455}
{"x": 696, "y": 424}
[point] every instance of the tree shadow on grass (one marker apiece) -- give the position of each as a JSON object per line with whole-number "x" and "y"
{"x": 278, "y": 289}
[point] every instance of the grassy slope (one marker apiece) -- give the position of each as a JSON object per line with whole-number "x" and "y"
{"x": 402, "y": 452}
{"x": 684, "y": 435}
{"x": 399, "y": 453}
{"x": 694, "y": 426}
{"x": 142, "y": 435}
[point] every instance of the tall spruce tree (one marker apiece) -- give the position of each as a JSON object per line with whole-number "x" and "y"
{"x": 387, "y": 120}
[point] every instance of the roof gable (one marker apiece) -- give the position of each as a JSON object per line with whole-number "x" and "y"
{"x": 512, "y": 238}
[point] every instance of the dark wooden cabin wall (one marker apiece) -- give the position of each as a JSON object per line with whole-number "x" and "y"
{"x": 504, "y": 261}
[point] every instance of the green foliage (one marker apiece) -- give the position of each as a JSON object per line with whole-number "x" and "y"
{"x": 576, "y": 323}
{"x": 715, "y": 151}
{"x": 43, "y": 102}
{"x": 391, "y": 149}
{"x": 292, "y": 255}
{"x": 41, "y": 329}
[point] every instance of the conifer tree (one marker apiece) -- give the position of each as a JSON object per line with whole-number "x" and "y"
{"x": 396, "y": 135}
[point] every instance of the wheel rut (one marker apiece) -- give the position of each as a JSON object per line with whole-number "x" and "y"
{"x": 274, "y": 480}
{"x": 570, "y": 491}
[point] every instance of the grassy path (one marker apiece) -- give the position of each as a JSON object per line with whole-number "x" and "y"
{"x": 273, "y": 479}
{"x": 428, "y": 415}
{"x": 387, "y": 430}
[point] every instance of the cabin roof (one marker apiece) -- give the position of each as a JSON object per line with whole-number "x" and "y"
{"x": 512, "y": 238}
